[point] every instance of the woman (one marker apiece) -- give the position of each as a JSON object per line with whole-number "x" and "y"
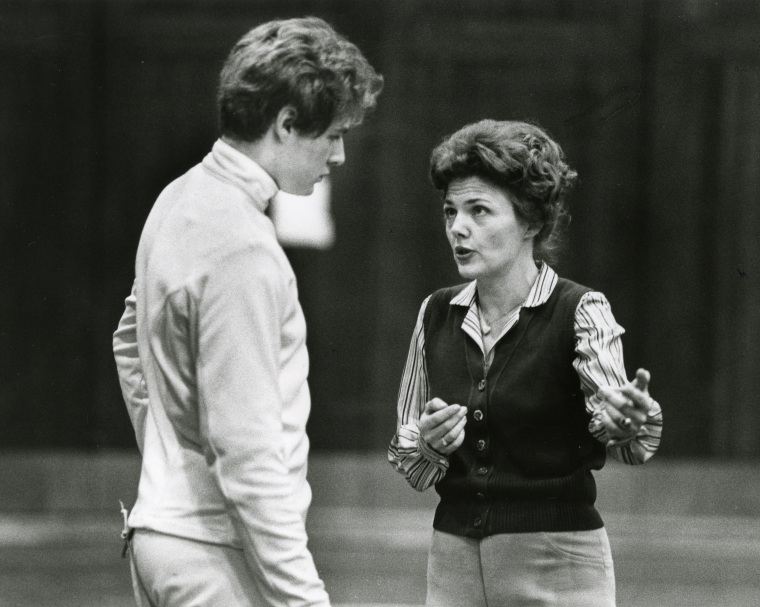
{"x": 515, "y": 389}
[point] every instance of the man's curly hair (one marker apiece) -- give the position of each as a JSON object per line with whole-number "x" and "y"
{"x": 299, "y": 62}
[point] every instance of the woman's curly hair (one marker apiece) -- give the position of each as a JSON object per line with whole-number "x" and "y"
{"x": 521, "y": 158}
{"x": 299, "y": 62}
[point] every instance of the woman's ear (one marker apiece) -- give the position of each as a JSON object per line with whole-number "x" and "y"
{"x": 532, "y": 231}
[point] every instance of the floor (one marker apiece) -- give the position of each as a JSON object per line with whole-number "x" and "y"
{"x": 373, "y": 557}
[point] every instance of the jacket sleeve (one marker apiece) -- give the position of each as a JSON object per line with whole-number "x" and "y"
{"x": 408, "y": 453}
{"x": 239, "y": 331}
{"x": 129, "y": 368}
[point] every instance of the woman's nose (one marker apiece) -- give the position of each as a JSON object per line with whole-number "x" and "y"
{"x": 458, "y": 225}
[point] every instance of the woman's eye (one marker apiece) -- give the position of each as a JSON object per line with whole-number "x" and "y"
{"x": 449, "y": 213}
{"x": 479, "y": 211}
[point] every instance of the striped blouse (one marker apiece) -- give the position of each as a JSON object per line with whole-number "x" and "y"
{"x": 598, "y": 362}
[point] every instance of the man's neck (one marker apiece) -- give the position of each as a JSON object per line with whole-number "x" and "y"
{"x": 259, "y": 151}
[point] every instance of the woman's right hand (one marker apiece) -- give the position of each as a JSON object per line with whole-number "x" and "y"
{"x": 442, "y": 425}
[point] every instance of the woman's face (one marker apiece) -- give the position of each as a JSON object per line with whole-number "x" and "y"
{"x": 486, "y": 235}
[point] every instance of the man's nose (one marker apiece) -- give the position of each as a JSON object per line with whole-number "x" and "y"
{"x": 338, "y": 153}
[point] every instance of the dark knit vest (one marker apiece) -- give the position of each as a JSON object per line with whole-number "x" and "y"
{"x": 525, "y": 464}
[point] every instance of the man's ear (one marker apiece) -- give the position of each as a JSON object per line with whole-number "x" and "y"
{"x": 283, "y": 123}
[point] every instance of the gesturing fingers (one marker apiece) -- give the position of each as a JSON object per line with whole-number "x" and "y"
{"x": 434, "y": 404}
{"x": 623, "y": 416}
{"x": 637, "y": 392}
{"x": 435, "y": 412}
{"x": 625, "y": 409}
{"x": 452, "y": 440}
{"x": 642, "y": 380}
{"x": 617, "y": 407}
{"x": 442, "y": 425}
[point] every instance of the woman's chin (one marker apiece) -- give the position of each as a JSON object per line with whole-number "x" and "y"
{"x": 467, "y": 273}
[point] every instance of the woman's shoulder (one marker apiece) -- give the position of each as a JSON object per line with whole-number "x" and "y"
{"x": 450, "y": 292}
{"x": 440, "y": 299}
{"x": 580, "y": 299}
{"x": 571, "y": 289}
{"x": 445, "y": 295}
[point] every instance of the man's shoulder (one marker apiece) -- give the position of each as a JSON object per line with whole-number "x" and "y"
{"x": 216, "y": 209}
{"x": 197, "y": 227}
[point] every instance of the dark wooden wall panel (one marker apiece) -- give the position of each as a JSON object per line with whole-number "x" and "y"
{"x": 45, "y": 382}
{"x": 699, "y": 225}
{"x": 677, "y": 315}
{"x": 654, "y": 101}
{"x": 736, "y": 266}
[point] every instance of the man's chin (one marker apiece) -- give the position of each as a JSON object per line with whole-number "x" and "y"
{"x": 299, "y": 191}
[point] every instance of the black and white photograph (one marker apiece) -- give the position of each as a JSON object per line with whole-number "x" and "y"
{"x": 379, "y": 303}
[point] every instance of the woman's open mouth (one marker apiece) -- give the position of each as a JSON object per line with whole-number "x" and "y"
{"x": 463, "y": 253}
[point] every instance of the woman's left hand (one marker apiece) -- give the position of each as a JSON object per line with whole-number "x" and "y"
{"x": 624, "y": 409}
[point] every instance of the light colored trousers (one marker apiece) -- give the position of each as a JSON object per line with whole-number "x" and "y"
{"x": 563, "y": 569}
{"x": 170, "y": 571}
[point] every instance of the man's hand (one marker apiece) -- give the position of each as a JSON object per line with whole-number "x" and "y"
{"x": 624, "y": 409}
{"x": 442, "y": 425}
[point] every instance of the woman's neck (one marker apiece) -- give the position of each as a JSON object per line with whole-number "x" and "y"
{"x": 499, "y": 294}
